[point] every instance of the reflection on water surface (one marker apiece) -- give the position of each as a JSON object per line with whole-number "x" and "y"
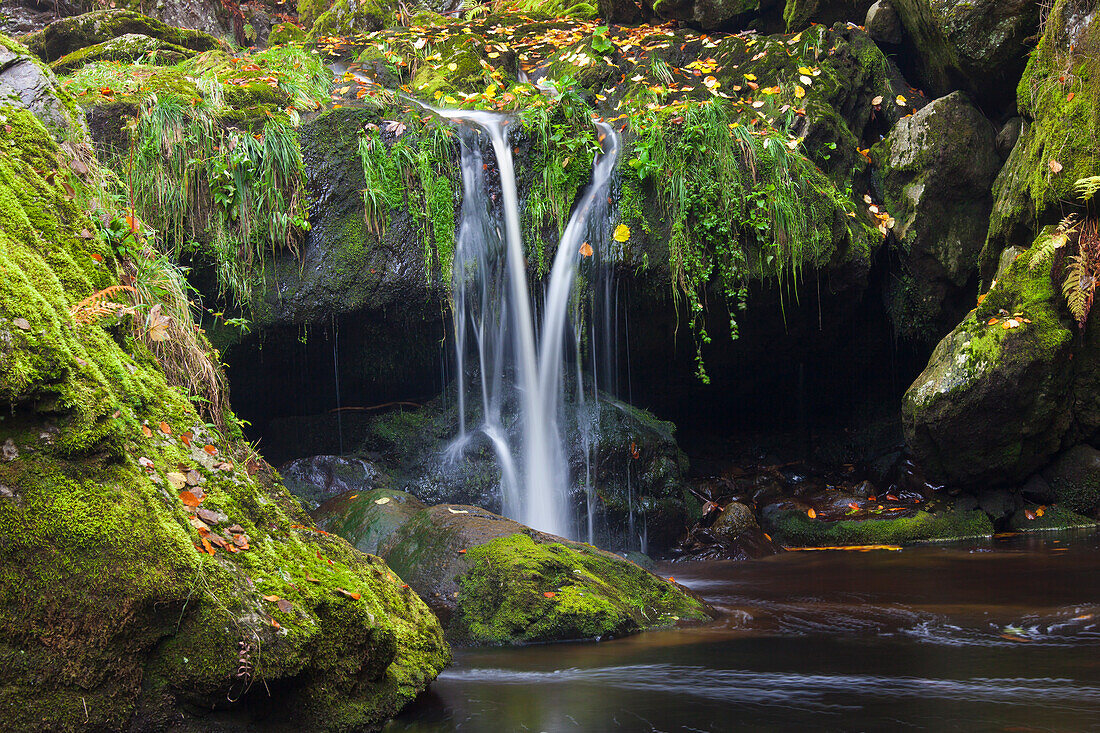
{"x": 997, "y": 636}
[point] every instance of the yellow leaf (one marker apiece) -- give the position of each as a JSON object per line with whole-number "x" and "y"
{"x": 452, "y": 66}
{"x": 900, "y": 100}
{"x": 799, "y": 92}
{"x": 750, "y": 77}
{"x": 343, "y": 90}
{"x": 804, "y": 70}
{"x": 622, "y": 233}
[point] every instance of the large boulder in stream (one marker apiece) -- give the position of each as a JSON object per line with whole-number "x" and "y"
{"x": 494, "y": 581}
{"x": 995, "y": 401}
{"x": 937, "y": 167}
{"x": 153, "y": 573}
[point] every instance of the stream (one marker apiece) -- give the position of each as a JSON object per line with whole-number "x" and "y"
{"x": 1000, "y": 635}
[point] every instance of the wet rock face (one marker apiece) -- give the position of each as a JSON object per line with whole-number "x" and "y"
{"x": 976, "y": 45}
{"x": 64, "y": 36}
{"x": 937, "y": 168}
{"x": 884, "y": 24}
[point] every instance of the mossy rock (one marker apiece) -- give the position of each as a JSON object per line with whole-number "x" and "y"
{"x": 347, "y": 17}
{"x": 994, "y": 403}
{"x": 284, "y": 33}
{"x": 1074, "y": 477}
{"x": 936, "y": 169}
{"x": 128, "y": 48}
{"x": 798, "y": 14}
{"x": 796, "y": 529}
{"x": 63, "y": 37}
{"x": 101, "y": 566}
{"x": 975, "y": 45}
{"x": 367, "y": 519}
{"x": 1053, "y": 518}
{"x": 495, "y": 581}
{"x": 27, "y": 82}
{"x": 1059, "y": 99}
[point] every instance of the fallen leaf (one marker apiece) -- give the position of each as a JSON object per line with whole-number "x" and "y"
{"x": 1055, "y": 166}
{"x": 22, "y": 323}
{"x": 145, "y": 463}
{"x": 273, "y": 599}
{"x": 176, "y": 480}
{"x": 876, "y": 101}
{"x": 550, "y": 594}
{"x": 207, "y": 546}
{"x": 97, "y": 257}
{"x": 284, "y": 605}
{"x": 349, "y": 594}
{"x": 274, "y": 623}
{"x": 383, "y": 500}
{"x": 586, "y": 250}
{"x": 900, "y": 101}
{"x": 146, "y": 431}
{"x": 210, "y": 449}
{"x": 811, "y": 513}
{"x": 1070, "y": 96}
{"x": 185, "y": 438}
{"x": 622, "y": 233}
{"x": 165, "y": 428}
{"x": 189, "y": 499}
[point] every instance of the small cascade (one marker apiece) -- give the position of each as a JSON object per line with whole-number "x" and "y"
{"x": 521, "y": 360}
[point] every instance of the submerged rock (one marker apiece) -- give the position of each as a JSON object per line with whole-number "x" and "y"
{"x": 495, "y": 581}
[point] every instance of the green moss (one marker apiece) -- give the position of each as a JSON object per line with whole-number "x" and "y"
{"x": 1053, "y": 518}
{"x": 99, "y": 566}
{"x": 347, "y": 17}
{"x": 285, "y": 33}
{"x": 795, "y": 529}
{"x": 129, "y": 48}
{"x": 65, "y": 36}
{"x": 517, "y": 590}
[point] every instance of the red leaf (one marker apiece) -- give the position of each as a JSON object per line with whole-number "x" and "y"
{"x": 189, "y": 499}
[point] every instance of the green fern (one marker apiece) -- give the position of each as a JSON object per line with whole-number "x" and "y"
{"x": 1086, "y": 188}
{"x": 1046, "y": 247}
{"x": 1079, "y": 287}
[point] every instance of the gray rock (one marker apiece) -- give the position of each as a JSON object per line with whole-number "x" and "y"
{"x": 883, "y": 23}
{"x": 1037, "y": 489}
{"x": 1074, "y": 477}
{"x": 26, "y": 82}
{"x": 937, "y": 168}
{"x": 127, "y": 48}
{"x": 1007, "y": 137}
{"x": 316, "y": 479}
{"x": 734, "y": 519}
{"x": 1007, "y": 258}
{"x": 976, "y": 45}
{"x": 8, "y": 451}
{"x": 997, "y": 503}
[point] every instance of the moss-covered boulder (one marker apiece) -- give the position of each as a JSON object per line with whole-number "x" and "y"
{"x": 495, "y": 581}
{"x": 285, "y": 33}
{"x": 798, "y": 14}
{"x": 155, "y": 557}
{"x": 975, "y": 45}
{"x": 347, "y": 17}
{"x": 796, "y": 529}
{"x": 1045, "y": 519}
{"x": 937, "y": 168}
{"x": 1074, "y": 479}
{"x": 128, "y": 48}
{"x": 368, "y": 518}
{"x": 317, "y": 479}
{"x": 62, "y": 37}
{"x": 1059, "y": 99}
{"x": 28, "y": 82}
{"x": 994, "y": 402}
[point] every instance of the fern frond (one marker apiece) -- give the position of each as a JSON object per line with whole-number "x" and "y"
{"x": 98, "y": 305}
{"x": 1079, "y": 287}
{"x": 1045, "y": 248}
{"x": 1086, "y": 188}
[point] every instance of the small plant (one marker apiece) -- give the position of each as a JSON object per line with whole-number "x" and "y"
{"x": 1082, "y": 273}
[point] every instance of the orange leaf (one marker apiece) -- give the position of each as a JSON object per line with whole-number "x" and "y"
{"x": 206, "y": 546}
{"x": 146, "y": 431}
{"x": 106, "y": 91}
{"x": 273, "y": 599}
{"x": 586, "y": 250}
{"x": 992, "y": 321}
{"x": 811, "y": 513}
{"x": 185, "y": 438}
{"x": 165, "y": 428}
{"x": 671, "y": 579}
{"x": 274, "y": 623}
{"x": 189, "y": 499}
{"x": 461, "y": 552}
{"x": 210, "y": 449}
{"x": 1070, "y": 96}
{"x": 550, "y": 594}
{"x": 97, "y": 257}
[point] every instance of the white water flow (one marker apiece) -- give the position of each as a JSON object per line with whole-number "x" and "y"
{"x": 493, "y": 304}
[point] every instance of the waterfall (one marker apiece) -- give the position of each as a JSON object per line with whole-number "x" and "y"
{"x": 493, "y": 309}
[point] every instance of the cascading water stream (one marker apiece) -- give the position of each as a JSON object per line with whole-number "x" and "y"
{"x": 493, "y": 300}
